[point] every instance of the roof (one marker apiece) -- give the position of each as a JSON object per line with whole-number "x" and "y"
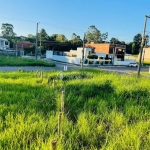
{"x": 3, "y": 39}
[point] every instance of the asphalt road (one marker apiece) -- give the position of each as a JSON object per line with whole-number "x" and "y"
{"x": 60, "y": 66}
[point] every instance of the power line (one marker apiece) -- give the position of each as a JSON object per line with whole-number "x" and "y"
{"x": 54, "y": 25}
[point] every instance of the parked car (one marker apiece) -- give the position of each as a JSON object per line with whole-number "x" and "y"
{"x": 132, "y": 65}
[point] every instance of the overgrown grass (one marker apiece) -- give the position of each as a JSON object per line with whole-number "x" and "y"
{"x": 18, "y": 61}
{"x": 102, "y": 111}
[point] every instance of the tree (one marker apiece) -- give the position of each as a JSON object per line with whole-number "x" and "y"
{"x": 43, "y": 35}
{"x": 53, "y": 37}
{"x": 75, "y": 39}
{"x": 104, "y": 36}
{"x": 93, "y": 34}
{"x": 122, "y": 42}
{"x": 31, "y": 38}
{"x": 7, "y": 30}
{"x": 137, "y": 39}
{"x": 129, "y": 48}
{"x": 61, "y": 38}
{"x": 114, "y": 41}
{"x": 134, "y": 48}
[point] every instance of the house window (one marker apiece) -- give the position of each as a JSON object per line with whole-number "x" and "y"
{"x": 6, "y": 43}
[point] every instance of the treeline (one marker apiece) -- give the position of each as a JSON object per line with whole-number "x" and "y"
{"x": 92, "y": 34}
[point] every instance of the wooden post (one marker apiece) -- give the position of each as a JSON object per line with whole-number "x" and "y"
{"x": 54, "y": 84}
{"x": 53, "y": 145}
{"x": 42, "y": 74}
{"x": 62, "y": 101}
{"x": 37, "y": 73}
{"x": 49, "y": 80}
{"x": 59, "y": 123}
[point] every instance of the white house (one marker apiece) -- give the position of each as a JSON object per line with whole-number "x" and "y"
{"x": 4, "y": 44}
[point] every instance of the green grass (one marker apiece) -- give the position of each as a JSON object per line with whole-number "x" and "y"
{"x": 18, "y": 61}
{"x": 135, "y": 55}
{"x": 146, "y": 63}
{"x": 102, "y": 111}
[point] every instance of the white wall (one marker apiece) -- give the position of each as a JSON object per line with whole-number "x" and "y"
{"x": 2, "y": 43}
{"x": 126, "y": 62}
{"x": 79, "y": 51}
{"x": 49, "y": 54}
{"x": 100, "y": 54}
{"x": 73, "y": 60}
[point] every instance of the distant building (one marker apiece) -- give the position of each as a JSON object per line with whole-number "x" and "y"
{"x": 4, "y": 44}
{"x": 146, "y": 54}
{"x": 109, "y": 49}
{"x": 22, "y": 45}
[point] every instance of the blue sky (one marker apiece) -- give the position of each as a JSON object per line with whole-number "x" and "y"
{"x": 122, "y": 19}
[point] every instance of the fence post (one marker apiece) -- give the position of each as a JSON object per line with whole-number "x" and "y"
{"x": 65, "y": 68}
{"x": 37, "y": 73}
{"x": 53, "y": 145}
{"x": 59, "y": 123}
{"x": 54, "y": 84}
{"x": 62, "y": 101}
{"x": 42, "y": 75}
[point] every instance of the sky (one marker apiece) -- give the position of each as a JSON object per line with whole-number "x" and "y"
{"x": 122, "y": 19}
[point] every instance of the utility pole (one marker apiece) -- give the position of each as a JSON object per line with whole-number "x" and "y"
{"x": 40, "y": 45}
{"x": 36, "y": 41}
{"x": 83, "y": 52}
{"x": 142, "y": 46}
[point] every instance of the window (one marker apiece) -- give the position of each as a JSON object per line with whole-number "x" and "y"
{"x": 6, "y": 43}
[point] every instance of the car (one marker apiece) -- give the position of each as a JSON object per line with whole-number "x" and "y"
{"x": 132, "y": 65}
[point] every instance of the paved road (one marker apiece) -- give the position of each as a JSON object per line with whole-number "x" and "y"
{"x": 123, "y": 68}
{"x": 60, "y": 66}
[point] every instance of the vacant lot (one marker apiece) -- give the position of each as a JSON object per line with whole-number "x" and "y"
{"x": 101, "y": 111}
{"x": 18, "y": 61}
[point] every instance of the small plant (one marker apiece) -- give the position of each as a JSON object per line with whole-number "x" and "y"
{"x": 92, "y": 56}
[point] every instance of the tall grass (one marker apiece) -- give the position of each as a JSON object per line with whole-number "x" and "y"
{"x": 102, "y": 111}
{"x": 19, "y": 61}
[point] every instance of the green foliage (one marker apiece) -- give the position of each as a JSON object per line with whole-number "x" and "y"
{"x": 136, "y": 43}
{"x": 61, "y": 38}
{"x": 43, "y": 36}
{"x": 75, "y": 39}
{"x": 7, "y": 30}
{"x": 114, "y": 41}
{"x": 93, "y": 34}
{"x": 129, "y": 48}
{"x": 31, "y": 38}
{"x": 102, "y": 111}
{"x": 18, "y": 61}
{"x": 92, "y": 56}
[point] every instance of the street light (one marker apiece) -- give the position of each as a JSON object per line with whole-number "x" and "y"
{"x": 36, "y": 41}
{"x": 142, "y": 45}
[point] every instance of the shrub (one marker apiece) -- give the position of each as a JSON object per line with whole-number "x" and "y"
{"x": 92, "y": 56}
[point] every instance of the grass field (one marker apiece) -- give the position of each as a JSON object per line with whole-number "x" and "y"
{"x": 101, "y": 111}
{"x": 18, "y": 61}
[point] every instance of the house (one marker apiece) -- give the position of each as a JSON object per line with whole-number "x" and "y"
{"x": 4, "y": 44}
{"x": 73, "y": 56}
{"x": 108, "y": 54}
{"x": 22, "y": 45}
{"x": 110, "y": 50}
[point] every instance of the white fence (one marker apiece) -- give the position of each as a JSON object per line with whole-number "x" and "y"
{"x": 126, "y": 62}
{"x": 73, "y": 60}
